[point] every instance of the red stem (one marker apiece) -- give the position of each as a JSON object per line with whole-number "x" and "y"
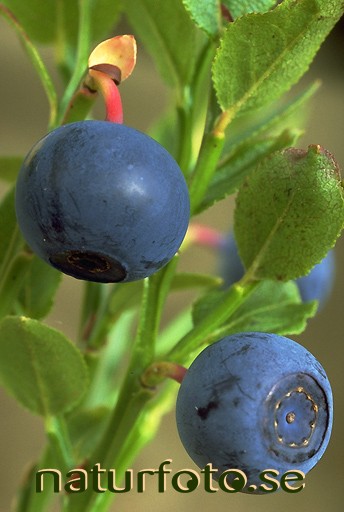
{"x": 109, "y": 90}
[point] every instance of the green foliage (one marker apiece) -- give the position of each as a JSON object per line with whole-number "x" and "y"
{"x": 241, "y": 163}
{"x": 289, "y": 213}
{"x": 263, "y": 55}
{"x": 167, "y": 32}
{"x": 61, "y": 18}
{"x": 240, "y": 7}
{"x": 40, "y": 367}
{"x": 206, "y": 15}
{"x": 10, "y": 242}
{"x": 272, "y": 307}
{"x": 38, "y": 288}
{"x": 96, "y": 404}
{"x": 30, "y": 15}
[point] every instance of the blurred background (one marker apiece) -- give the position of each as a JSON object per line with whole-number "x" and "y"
{"x": 23, "y": 120}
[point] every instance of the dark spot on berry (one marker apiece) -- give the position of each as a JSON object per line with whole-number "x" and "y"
{"x": 203, "y": 412}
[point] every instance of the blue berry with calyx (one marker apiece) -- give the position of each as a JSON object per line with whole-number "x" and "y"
{"x": 255, "y": 401}
{"x": 101, "y": 201}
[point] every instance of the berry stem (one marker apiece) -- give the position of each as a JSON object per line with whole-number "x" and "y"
{"x": 109, "y": 90}
{"x": 157, "y": 372}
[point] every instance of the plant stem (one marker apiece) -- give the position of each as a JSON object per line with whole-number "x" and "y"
{"x": 60, "y": 442}
{"x": 142, "y": 433}
{"x": 209, "y": 156}
{"x": 109, "y": 90}
{"x": 83, "y": 48}
{"x": 133, "y": 395}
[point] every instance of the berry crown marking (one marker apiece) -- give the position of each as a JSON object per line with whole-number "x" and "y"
{"x": 295, "y": 418}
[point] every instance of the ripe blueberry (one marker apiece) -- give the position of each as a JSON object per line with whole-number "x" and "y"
{"x": 317, "y": 285}
{"x": 255, "y": 401}
{"x": 102, "y": 202}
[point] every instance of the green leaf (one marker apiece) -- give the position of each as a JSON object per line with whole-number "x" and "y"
{"x": 40, "y": 367}
{"x": 14, "y": 261}
{"x": 240, "y": 7}
{"x": 253, "y": 137}
{"x": 168, "y": 34}
{"x": 242, "y": 162}
{"x": 31, "y": 13}
{"x": 104, "y": 13}
{"x": 206, "y": 15}
{"x": 272, "y": 119}
{"x": 9, "y": 167}
{"x": 10, "y": 239}
{"x": 289, "y": 213}
{"x": 272, "y": 307}
{"x": 11, "y": 281}
{"x": 262, "y": 55}
{"x": 38, "y": 288}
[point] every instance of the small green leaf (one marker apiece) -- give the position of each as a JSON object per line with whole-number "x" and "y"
{"x": 272, "y": 307}
{"x": 38, "y": 288}
{"x": 40, "y": 367}
{"x": 168, "y": 34}
{"x": 206, "y": 15}
{"x": 11, "y": 281}
{"x": 289, "y": 213}
{"x": 9, "y": 167}
{"x": 262, "y": 55}
{"x": 240, "y": 7}
{"x": 10, "y": 239}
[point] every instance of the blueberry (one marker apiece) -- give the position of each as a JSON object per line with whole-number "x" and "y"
{"x": 255, "y": 401}
{"x": 317, "y": 285}
{"x": 102, "y": 201}
{"x": 231, "y": 267}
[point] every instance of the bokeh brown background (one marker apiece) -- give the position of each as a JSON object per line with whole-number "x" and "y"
{"x": 23, "y": 119}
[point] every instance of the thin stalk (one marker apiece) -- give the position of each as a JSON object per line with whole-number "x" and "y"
{"x": 209, "y": 156}
{"x": 142, "y": 433}
{"x": 83, "y": 50}
{"x": 60, "y": 442}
